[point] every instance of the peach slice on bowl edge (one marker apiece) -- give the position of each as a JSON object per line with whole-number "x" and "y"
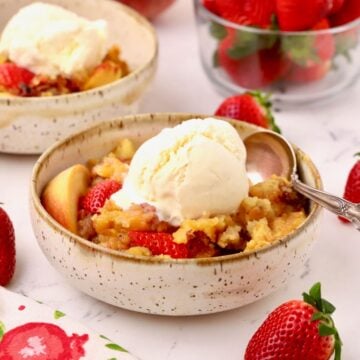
{"x": 61, "y": 196}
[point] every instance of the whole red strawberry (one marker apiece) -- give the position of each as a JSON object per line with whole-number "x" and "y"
{"x": 231, "y": 10}
{"x": 97, "y": 195}
{"x": 159, "y": 243}
{"x": 13, "y": 77}
{"x": 347, "y": 13}
{"x": 310, "y": 56}
{"x": 7, "y": 248}
{"x": 298, "y": 15}
{"x": 336, "y": 6}
{"x": 297, "y": 330}
{"x": 352, "y": 187}
{"x": 246, "y": 12}
{"x": 252, "y": 107}
{"x": 260, "y": 12}
{"x": 306, "y": 74}
{"x": 248, "y": 65}
{"x": 310, "y": 50}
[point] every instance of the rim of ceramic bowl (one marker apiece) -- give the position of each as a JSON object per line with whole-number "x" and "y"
{"x": 121, "y": 122}
{"x": 140, "y": 21}
{"x": 334, "y": 30}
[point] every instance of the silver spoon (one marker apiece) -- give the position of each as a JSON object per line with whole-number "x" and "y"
{"x": 271, "y": 154}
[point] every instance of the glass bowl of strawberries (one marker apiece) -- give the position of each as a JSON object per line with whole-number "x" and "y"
{"x": 301, "y": 52}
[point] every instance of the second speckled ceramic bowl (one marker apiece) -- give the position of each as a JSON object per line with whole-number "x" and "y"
{"x": 153, "y": 285}
{"x": 30, "y": 125}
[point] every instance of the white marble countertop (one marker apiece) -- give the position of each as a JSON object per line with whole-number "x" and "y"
{"x": 330, "y": 134}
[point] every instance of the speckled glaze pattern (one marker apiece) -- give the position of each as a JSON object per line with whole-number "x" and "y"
{"x": 30, "y": 125}
{"x": 153, "y": 285}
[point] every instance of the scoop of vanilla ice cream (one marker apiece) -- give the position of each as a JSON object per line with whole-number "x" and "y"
{"x": 50, "y": 40}
{"x": 196, "y": 168}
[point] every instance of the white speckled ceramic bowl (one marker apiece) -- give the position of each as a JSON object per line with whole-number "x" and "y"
{"x": 30, "y": 125}
{"x": 153, "y": 285}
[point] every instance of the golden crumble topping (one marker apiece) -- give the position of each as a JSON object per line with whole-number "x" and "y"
{"x": 271, "y": 211}
{"x": 112, "y": 68}
{"x": 111, "y": 167}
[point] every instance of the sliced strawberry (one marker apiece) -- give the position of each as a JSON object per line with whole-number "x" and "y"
{"x": 13, "y": 77}
{"x": 41, "y": 341}
{"x": 7, "y": 248}
{"x": 251, "y": 62}
{"x": 252, "y": 107}
{"x": 297, "y": 329}
{"x": 159, "y": 243}
{"x": 347, "y": 13}
{"x": 298, "y": 15}
{"x": 97, "y": 195}
{"x": 352, "y": 187}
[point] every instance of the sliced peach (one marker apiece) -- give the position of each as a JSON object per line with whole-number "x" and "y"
{"x": 125, "y": 150}
{"x": 61, "y": 195}
{"x": 3, "y": 58}
{"x": 105, "y": 73}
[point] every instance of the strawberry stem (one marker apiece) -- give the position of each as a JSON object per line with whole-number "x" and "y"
{"x": 323, "y": 315}
{"x": 264, "y": 100}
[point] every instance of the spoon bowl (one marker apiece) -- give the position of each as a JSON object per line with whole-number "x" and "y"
{"x": 272, "y": 152}
{"x": 269, "y": 153}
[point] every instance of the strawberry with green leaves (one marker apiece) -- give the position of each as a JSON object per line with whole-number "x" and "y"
{"x": 251, "y": 61}
{"x": 299, "y": 15}
{"x": 297, "y": 330}
{"x": 252, "y": 107}
{"x": 308, "y": 50}
{"x": 310, "y": 55}
{"x": 7, "y": 248}
{"x": 352, "y": 187}
{"x": 95, "y": 198}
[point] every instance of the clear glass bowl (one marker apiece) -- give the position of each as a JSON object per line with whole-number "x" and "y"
{"x": 295, "y": 67}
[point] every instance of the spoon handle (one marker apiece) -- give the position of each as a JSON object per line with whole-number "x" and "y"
{"x": 335, "y": 204}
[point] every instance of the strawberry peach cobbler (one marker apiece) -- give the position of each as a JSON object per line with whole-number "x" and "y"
{"x": 183, "y": 193}
{"x": 46, "y": 50}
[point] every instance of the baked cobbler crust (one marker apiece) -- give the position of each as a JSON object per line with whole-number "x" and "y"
{"x": 271, "y": 211}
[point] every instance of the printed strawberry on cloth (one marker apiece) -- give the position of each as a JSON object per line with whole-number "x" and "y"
{"x": 32, "y": 331}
